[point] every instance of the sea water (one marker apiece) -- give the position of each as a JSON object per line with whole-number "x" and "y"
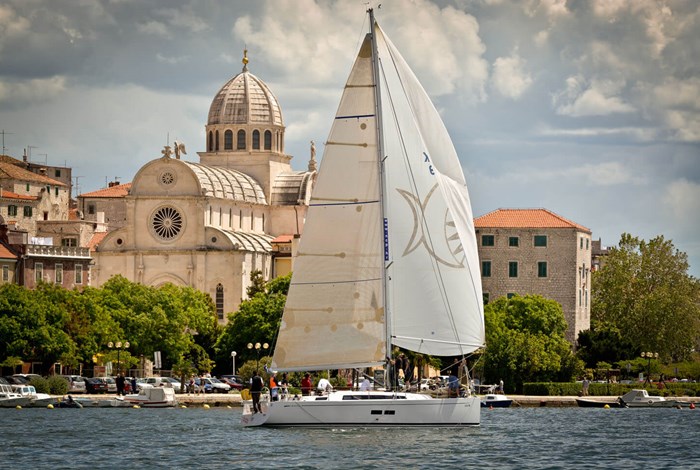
{"x": 513, "y": 438}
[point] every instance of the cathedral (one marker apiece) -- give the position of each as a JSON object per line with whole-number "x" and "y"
{"x": 209, "y": 224}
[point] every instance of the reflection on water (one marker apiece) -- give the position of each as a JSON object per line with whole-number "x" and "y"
{"x": 212, "y": 438}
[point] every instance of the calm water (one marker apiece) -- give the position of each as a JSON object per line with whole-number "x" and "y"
{"x": 211, "y": 438}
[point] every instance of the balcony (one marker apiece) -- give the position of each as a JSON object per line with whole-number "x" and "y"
{"x": 58, "y": 251}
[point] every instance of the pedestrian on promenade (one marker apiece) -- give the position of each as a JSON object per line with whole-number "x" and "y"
{"x": 585, "y": 386}
{"x": 500, "y": 387}
{"x": 134, "y": 388}
{"x": 120, "y": 384}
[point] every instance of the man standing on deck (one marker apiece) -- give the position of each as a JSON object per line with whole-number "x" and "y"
{"x": 256, "y": 385}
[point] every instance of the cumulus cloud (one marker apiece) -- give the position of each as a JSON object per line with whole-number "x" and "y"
{"x": 509, "y": 76}
{"x": 31, "y": 91}
{"x": 590, "y": 98}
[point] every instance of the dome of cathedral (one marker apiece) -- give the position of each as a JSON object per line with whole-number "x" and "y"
{"x": 245, "y": 99}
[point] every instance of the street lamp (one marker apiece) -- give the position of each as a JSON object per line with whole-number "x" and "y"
{"x": 649, "y": 356}
{"x": 257, "y": 350}
{"x": 233, "y": 357}
{"x": 119, "y": 346}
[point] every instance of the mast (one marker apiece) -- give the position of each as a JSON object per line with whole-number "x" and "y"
{"x": 382, "y": 188}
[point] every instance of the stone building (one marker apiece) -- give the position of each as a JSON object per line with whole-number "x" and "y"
{"x": 535, "y": 251}
{"x": 209, "y": 224}
{"x": 105, "y": 206}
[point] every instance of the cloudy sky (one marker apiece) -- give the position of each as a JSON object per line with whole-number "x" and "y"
{"x": 588, "y": 108}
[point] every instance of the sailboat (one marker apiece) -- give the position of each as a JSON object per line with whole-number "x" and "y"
{"x": 388, "y": 258}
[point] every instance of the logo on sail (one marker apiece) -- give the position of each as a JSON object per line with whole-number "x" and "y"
{"x": 448, "y": 250}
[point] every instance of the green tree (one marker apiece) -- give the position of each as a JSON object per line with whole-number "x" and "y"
{"x": 526, "y": 342}
{"x": 645, "y": 292}
{"x": 603, "y": 342}
{"x": 257, "y": 320}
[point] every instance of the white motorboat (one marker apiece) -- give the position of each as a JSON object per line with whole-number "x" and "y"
{"x": 154, "y": 397}
{"x": 388, "y": 257}
{"x": 39, "y": 400}
{"x": 640, "y": 398}
{"x": 9, "y": 398}
{"x": 496, "y": 400}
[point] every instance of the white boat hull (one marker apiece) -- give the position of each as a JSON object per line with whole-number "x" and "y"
{"x": 414, "y": 410}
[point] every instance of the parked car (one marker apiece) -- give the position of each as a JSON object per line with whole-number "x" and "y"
{"x": 76, "y": 383}
{"x": 16, "y": 380}
{"x": 233, "y": 382}
{"x": 162, "y": 382}
{"x": 111, "y": 384}
{"x": 95, "y": 385}
{"x": 213, "y": 385}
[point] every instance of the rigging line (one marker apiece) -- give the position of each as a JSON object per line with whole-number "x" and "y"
{"x": 436, "y": 265}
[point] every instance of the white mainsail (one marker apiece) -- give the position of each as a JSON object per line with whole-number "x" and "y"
{"x": 335, "y": 312}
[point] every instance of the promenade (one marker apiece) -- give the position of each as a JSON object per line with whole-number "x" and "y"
{"x": 234, "y": 399}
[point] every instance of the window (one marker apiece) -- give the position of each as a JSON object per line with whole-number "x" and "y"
{"x": 541, "y": 269}
{"x": 56, "y": 191}
{"x": 512, "y": 269}
{"x": 513, "y": 241}
{"x": 46, "y": 215}
{"x": 58, "y": 173}
{"x": 78, "y": 273}
{"x": 268, "y": 140}
{"x": 91, "y": 208}
{"x": 216, "y": 141}
{"x": 38, "y": 272}
{"x": 5, "y": 273}
{"x": 487, "y": 240}
{"x": 485, "y": 296}
{"x": 220, "y": 301}
{"x": 586, "y": 243}
{"x": 228, "y": 140}
{"x": 59, "y": 273}
{"x": 27, "y": 211}
{"x": 581, "y": 244}
{"x": 256, "y": 140}
{"x": 540, "y": 240}
{"x": 486, "y": 268}
{"x": 69, "y": 242}
{"x": 11, "y": 210}
{"x": 510, "y": 295}
{"x": 211, "y": 141}
{"x": 27, "y": 186}
{"x": 240, "y": 141}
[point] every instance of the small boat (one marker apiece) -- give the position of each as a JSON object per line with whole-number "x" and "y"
{"x": 68, "y": 402}
{"x": 640, "y": 398}
{"x": 36, "y": 400}
{"x": 388, "y": 258}
{"x": 593, "y": 403}
{"x": 495, "y": 400}
{"x": 156, "y": 397}
{"x": 9, "y": 398}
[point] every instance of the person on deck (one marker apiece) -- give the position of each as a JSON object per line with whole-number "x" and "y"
{"x": 256, "y": 386}
{"x": 306, "y": 385}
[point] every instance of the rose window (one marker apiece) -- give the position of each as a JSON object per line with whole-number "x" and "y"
{"x": 167, "y": 222}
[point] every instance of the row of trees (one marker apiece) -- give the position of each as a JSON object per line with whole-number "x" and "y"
{"x": 643, "y": 300}
{"x": 54, "y": 325}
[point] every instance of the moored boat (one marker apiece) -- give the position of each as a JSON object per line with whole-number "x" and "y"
{"x": 156, "y": 397}
{"x": 9, "y": 398}
{"x": 593, "y": 403}
{"x": 640, "y": 398}
{"x": 496, "y": 400}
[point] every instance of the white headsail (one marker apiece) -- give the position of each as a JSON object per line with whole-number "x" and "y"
{"x": 418, "y": 214}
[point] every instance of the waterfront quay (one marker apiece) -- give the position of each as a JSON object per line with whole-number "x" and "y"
{"x": 234, "y": 399}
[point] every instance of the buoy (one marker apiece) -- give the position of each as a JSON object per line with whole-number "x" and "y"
{"x": 49, "y": 406}
{"x": 490, "y": 407}
{"x": 183, "y": 406}
{"x": 692, "y": 406}
{"x": 19, "y": 407}
{"x": 228, "y": 406}
{"x": 136, "y": 407}
{"x": 607, "y": 407}
{"x": 206, "y": 406}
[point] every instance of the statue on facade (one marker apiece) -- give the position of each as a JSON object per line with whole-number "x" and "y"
{"x": 179, "y": 149}
{"x": 312, "y": 160}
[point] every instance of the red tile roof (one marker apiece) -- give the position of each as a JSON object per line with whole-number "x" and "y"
{"x": 8, "y": 170}
{"x": 5, "y": 253}
{"x": 525, "y": 218}
{"x": 119, "y": 190}
{"x": 96, "y": 240}
{"x": 10, "y": 195}
{"x": 283, "y": 239}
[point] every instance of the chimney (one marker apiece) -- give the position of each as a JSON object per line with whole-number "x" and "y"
{"x": 24, "y": 157}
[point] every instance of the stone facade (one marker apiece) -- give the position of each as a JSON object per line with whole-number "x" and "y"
{"x": 534, "y": 251}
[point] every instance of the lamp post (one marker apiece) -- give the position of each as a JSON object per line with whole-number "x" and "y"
{"x": 649, "y": 356}
{"x": 257, "y": 347}
{"x": 119, "y": 346}
{"x": 233, "y": 357}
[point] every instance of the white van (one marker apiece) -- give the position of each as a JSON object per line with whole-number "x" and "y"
{"x": 161, "y": 382}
